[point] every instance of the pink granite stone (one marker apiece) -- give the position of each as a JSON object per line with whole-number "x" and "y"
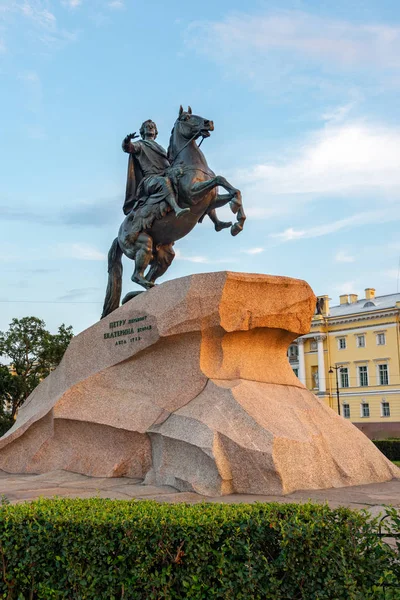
{"x": 189, "y": 385}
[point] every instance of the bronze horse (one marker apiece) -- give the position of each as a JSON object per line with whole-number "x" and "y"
{"x": 147, "y": 235}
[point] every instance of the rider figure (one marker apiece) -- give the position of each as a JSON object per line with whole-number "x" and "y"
{"x": 148, "y": 163}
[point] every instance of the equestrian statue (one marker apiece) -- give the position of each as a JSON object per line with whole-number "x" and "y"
{"x": 167, "y": 194}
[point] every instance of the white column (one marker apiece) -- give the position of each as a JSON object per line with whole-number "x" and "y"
{"x": 321, "y": 363}
{"x": 302, "y": 364}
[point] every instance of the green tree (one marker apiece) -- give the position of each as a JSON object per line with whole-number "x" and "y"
{"x": 29, "y": 352}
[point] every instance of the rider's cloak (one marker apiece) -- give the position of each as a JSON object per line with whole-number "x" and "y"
{"x": 149, "y": 158}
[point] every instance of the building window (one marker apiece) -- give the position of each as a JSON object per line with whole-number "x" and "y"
{"x": 296, "y": 372}
{"x": 341, "y": 343}
{"x": 346, "y": 411}
{"x": 344, "y": 377}
{"x": 313, "y": 345}
{"x": 383, "y": 375}
{"x": 381, "y": 339}
{"x": 293, "y": 351}
{"x": 364, "y": 409}
{"x": 385, "y": 409}
{"x": 363, "y": 376}
{"x": 361, "y": 341}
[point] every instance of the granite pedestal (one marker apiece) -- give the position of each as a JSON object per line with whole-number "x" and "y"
{"x": 188, "y": 385}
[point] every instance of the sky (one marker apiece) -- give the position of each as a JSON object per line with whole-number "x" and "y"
{"x": 304, "y": 98}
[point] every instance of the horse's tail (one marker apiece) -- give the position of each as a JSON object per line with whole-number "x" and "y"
{"x": 114, "y": 285}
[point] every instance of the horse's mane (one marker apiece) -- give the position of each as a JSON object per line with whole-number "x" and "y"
{"x": 169, "y": 151}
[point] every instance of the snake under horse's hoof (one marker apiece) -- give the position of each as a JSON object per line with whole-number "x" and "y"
{"x": 131, "y": 295}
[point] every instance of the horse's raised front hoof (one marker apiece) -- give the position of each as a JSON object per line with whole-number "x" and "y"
{"x": 222, "y": 225}
{"x": 236, "y": 228}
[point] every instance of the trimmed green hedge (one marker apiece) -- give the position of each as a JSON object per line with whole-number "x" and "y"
{"x": 95, "y": 549}
{"x": 390, "y": 448}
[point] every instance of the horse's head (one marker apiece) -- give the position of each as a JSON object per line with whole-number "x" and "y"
{"x": 192, "y": 126}
{"x": 188, "y": 127}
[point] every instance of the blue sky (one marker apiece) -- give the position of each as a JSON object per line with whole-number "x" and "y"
{"x": 304, "y": 97}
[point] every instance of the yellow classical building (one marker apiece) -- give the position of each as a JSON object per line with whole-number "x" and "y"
{"x": 351, "y": 360}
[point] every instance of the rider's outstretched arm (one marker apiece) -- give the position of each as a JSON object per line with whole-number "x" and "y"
{"x": 128, "y": 146}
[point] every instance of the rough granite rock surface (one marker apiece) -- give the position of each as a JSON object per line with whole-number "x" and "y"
{"x": 188, "y": 385}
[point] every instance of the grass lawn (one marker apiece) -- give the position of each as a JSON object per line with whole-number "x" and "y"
{"x": 396, "y": 462}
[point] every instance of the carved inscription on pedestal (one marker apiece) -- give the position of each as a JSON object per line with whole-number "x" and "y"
{"x": 128, "y": 330}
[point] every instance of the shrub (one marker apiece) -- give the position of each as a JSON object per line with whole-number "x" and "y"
{"x": 390, "y": 448}
{"x": 95, "y": 549}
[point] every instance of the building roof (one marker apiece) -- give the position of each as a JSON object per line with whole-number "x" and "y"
{"x": 365, "y": 305}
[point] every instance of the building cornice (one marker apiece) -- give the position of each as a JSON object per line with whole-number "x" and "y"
{"x": 382, "y": 392}
{"x": 357, "y": 317}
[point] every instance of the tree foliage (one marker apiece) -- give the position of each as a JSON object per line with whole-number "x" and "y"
{"x": 29, "y": 353}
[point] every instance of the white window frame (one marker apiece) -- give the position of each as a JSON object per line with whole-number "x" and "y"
{"x": 359, "y": 375}
{"x": 381, "y": 333}
{"x": 346, "y": 409}
{"x": 361, "y": 335}
{"x": 384, "y": 401}
{"x": 340, "y": 377}
{"x": 362, "y": 405}
{"x": 339, "y": 341}
{"x": 378, "y": 373}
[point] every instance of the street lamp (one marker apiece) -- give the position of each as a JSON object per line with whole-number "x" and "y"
{"x": 337, "y": 368}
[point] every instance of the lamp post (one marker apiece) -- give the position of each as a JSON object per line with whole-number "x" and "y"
{"x": 337, "y": 368}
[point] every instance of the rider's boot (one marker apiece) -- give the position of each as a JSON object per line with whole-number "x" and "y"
{"x": 179, "y": 212}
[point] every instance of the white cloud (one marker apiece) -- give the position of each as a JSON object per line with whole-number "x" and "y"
{"x": 80, "y": 251}
{"x": 37, "y": 12}
{"x": 392, "y": 273}
{"x": 346, "y": 287}
{"x": 350, "y": 160}
{"x": 36, "y": 20}
{"x": 195, "y": 259}
{"x": 72, "y": 3}
{"x": 335, "y": 159}
{"x": 343, "y": 257}
{"x": 339, "y": 113}
{"x": 201, "y": 259}
{"x": 243, "y": 37}
{"x": 290, "y": 234}
{"x": 77, "y": 294}
{"x": 364, "y": 218}
{"x": 116, "y": 4}
{"x": 253, "y": 251}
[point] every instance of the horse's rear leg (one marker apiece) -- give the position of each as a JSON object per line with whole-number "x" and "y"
{"x": 218, "y": 225}
{"x": 142, "y": 258}
{"x": 163, "y": 258}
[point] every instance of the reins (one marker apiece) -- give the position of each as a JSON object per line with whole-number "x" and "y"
{"x": 188, "y": 142}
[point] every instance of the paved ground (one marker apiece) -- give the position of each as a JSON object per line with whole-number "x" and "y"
{"x": 18, "y": 488}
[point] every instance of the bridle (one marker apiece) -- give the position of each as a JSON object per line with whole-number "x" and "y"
{"x": 189, "y": 141}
